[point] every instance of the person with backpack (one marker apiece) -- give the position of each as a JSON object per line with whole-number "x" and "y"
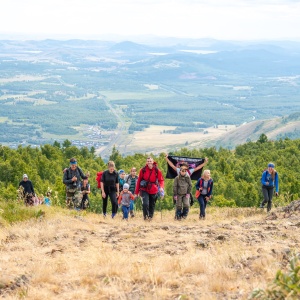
{"x": 269, "y": 181}
{"x": 110, "y": 188}
{"x": 72, "y": 180}
{"x": 131, "y": 179}
{"x": 182, "y": 187}
{"x": 204, "y": 188}
{"x": 147, "y": 186}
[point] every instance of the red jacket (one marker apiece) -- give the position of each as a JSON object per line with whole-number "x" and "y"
{"x": 154, "y": 178}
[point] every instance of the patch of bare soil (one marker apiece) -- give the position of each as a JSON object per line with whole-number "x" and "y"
{"x": 69, "y": 255}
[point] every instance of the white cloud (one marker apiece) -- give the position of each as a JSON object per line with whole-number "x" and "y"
{"x": 230, "y": 19}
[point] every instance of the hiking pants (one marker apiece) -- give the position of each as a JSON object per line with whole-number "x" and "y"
{"x": 114, "y": 202}
{"x": 202, "y": 204}
{"x": 74, "y": 198}
{"x": 268, "y": 195}
{"x": 125, "y": 210}
{"x": 182, "y": 200}
{"x": 148, "y": 204}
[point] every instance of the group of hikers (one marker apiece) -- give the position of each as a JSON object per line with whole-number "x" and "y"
{"x": 123, "y": 189}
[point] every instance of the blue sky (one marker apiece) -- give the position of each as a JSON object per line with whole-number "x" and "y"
{"x": 220, "y": 19}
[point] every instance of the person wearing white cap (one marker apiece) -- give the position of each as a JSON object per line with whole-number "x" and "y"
{"x": 28, "y": 190}
{"x": 124, "y": 200}
{"x": 269, "y": 181}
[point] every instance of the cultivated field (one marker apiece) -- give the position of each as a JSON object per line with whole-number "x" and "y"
{"x": 70, "y": 255}
{"x": 154, "y": 139}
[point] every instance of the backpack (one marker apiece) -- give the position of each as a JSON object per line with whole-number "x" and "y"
{"x": 98, "y": 179}
{"x": 198, "y": 193}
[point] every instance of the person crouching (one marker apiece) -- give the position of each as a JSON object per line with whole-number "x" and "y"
{"x": 124, "y": 200}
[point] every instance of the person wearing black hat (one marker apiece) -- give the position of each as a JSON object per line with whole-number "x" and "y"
{"x": 28, "y": 190}
{"x": 269, "y": 180}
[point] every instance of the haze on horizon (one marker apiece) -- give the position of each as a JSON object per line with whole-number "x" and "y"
{"x": 224, "y": 20}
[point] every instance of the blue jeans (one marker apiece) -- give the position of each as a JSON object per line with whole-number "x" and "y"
{"x": 202, "y": 203}
{"x": 125, "y": 210}
{"x": 131, "y": 205}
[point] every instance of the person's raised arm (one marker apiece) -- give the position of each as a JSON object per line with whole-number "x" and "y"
{"x": 170, "y": 163}
{"x": 202, "y": 165}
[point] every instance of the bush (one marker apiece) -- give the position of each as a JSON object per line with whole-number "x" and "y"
{"x": 12, "y": 212}
{"x": 284, "y": 287}
{"x": 221, "y": 201}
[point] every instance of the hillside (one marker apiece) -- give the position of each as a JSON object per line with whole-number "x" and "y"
{"x": 68, "y": 255}
{"x": 283, "y": 127}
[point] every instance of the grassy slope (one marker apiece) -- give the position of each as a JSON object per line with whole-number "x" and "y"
{"x": 68, "y": 255}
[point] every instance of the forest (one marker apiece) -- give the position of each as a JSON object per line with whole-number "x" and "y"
{"x": 236, "y": 173}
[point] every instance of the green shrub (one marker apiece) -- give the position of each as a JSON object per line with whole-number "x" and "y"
{"x": 11, "y": 212}
{"x": 284, "y": 286}
{"x": 221, "y": 201}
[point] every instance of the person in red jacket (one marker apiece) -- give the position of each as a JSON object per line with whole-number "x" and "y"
{"x": 150, "y": 177}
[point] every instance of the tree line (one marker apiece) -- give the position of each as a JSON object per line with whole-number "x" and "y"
{"x": 236, "y": 173}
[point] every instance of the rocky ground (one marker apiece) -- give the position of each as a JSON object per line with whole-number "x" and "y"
{"x": 69, "y": 255}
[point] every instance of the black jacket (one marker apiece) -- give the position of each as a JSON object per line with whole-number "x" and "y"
{"x": 69, "y": 174}
{"x": 28, "y": 187}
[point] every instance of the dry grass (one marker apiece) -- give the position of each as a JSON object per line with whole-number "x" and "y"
{"x": 142, "y": 140}
{"x": 69, "y": 255}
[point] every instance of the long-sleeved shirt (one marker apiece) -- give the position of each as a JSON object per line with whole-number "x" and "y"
{"x": 27, "y": 186}
{"x": 125, "y": 198}
{"x": 268, "y": 181}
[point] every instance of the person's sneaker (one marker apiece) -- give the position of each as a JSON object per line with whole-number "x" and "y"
{"x": 113, "y": 215}
{"x": 104, "y": 215}
{"x": 261, "y": 206}
{"x": 132, "y": 215}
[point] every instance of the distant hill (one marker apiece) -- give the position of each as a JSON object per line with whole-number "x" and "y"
{"x": 274, "y": 129}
